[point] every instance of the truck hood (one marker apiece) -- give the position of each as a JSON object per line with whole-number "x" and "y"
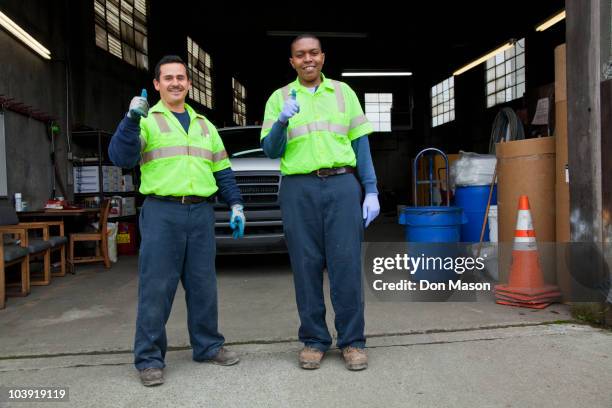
{"x": 255, "y": 164}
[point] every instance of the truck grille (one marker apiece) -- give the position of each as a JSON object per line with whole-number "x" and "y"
{"x": 259, "y": 189}
{"x": 257, "y": 179}
{"x": 246, "y": 189}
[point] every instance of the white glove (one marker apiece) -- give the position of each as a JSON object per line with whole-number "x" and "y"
{"x": 371, "y": 208}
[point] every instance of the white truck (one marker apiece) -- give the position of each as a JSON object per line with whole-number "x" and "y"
{"x": 259, "y": 180}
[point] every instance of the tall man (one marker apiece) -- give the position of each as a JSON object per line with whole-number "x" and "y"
{"x": 183, "y": 164}
{"x": 316, "y": 125}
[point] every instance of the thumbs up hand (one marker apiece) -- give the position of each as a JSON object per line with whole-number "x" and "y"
{"x": 139, "y": 107}
{"x": 290, "y": 108}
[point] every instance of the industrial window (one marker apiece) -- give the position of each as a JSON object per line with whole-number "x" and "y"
{"x": 239, "y": 103}
{"x": 505, "y": 76}
{"x": 200, "y": 66}
{"x": 121, "y": 29}
{"x": 378, "y": 110}
{"x": 443, "y": 102}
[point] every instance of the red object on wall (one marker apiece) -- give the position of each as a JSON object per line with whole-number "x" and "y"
{"x": 127, "y": 239}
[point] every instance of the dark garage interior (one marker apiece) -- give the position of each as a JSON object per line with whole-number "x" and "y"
{"x": 537, "y": 113}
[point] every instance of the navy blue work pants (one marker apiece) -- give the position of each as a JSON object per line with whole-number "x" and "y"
{"x": 324, "y": 229}
{"x": 177, "y": 243}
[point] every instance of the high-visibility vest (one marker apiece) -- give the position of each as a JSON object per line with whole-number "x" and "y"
{"x": 178, "y": 163}
{"x": 320, "y": 134}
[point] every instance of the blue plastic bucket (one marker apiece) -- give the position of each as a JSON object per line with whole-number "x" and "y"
{"x": 473, "y": 200}
{"x": 432, "y": 225}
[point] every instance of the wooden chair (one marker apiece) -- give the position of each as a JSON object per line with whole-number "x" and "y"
{"x": 58, "y": 243}
{"x": 13, "y": 252}
{"x": 100, "y": 237}
{"x": 38, "y": 247}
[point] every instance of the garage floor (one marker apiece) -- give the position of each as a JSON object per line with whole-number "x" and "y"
{"x": 78, "y": 332}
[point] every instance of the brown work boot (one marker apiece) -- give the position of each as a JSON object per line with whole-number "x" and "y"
{"x": 310, "y": 358}
{"x": 355, "y": 358}
{"x": 225, "y": 357}
{"x": 152, "y": 376}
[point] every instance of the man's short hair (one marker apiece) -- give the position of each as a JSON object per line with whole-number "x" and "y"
{"x": 169, "y": 59}
{"x": 301, "y": 37}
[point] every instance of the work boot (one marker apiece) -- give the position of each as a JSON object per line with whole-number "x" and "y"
{"x": 310, "y": 358}
{"x": 225, "y": 357}
{"x": 355, "y": 359}
{"x": 152, "y": 376}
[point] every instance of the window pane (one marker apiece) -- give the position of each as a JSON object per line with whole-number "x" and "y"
{"x": 520, "y": 90}
{"x": 490, "y": 88}
{"x": 120, "y": 27}
{"x": 520, "y": 76}
{"x": 500, "y": 97}
{"x": 372, "y": 107}
{"x": 500, "y": 70}
{"x": 490, "y": 74}
{"x": 490, "y": 101}
{"x": 520, "y": 61}
{"x": 386, "y": 97}
{"x": 500, "y": 84}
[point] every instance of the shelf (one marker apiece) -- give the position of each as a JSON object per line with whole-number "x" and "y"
{"x": 78, "y": 163}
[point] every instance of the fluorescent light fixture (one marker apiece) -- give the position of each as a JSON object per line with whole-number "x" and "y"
{"x": 376, "y": 74}
{"x": 482, "y": 59}
{"x": 321, "y": 34}
{"x": 26, "y": 38}
{"x": 551, "y": 21}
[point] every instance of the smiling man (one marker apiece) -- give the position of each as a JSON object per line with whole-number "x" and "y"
{"x": 183, "y": 165}
{"x": 317, "y": 127}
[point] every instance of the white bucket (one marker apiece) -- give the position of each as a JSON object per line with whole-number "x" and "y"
{"x": 493, "y": 223}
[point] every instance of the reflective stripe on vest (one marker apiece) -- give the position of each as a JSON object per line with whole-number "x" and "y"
{"x": 164, "y": 127}
{"x": 321, "y": 126}
{"x": 161, "y": 122}
{"x": 339, "y": 95}
{"x": 204, "y": 126}
{"x": 173, "y": 151}
{"x": 268, "y": 124}
{"x": 358, "y": 121}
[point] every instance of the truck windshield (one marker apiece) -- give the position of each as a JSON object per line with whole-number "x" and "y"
{"x": 242, "y": 141}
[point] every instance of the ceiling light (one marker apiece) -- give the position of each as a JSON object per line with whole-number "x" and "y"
{"x": 485, "y": 57}
{"x": 551, "y": 21}
{"x": 26, "y": 38}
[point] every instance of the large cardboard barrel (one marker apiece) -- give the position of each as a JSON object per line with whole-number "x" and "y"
{"x": 527, "y": 167}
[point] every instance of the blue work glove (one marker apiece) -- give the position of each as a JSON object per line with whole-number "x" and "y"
{"x": 371, "y": 208}
{"x": 290, "y": 108}
{"x": 237, "y": 221}
{"x": 139, "y": 107}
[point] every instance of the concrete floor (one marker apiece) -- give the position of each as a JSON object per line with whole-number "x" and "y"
{"x": 78, "y": 333}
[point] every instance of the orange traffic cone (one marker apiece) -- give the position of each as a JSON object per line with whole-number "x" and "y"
{"x": 526, "y": 287}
